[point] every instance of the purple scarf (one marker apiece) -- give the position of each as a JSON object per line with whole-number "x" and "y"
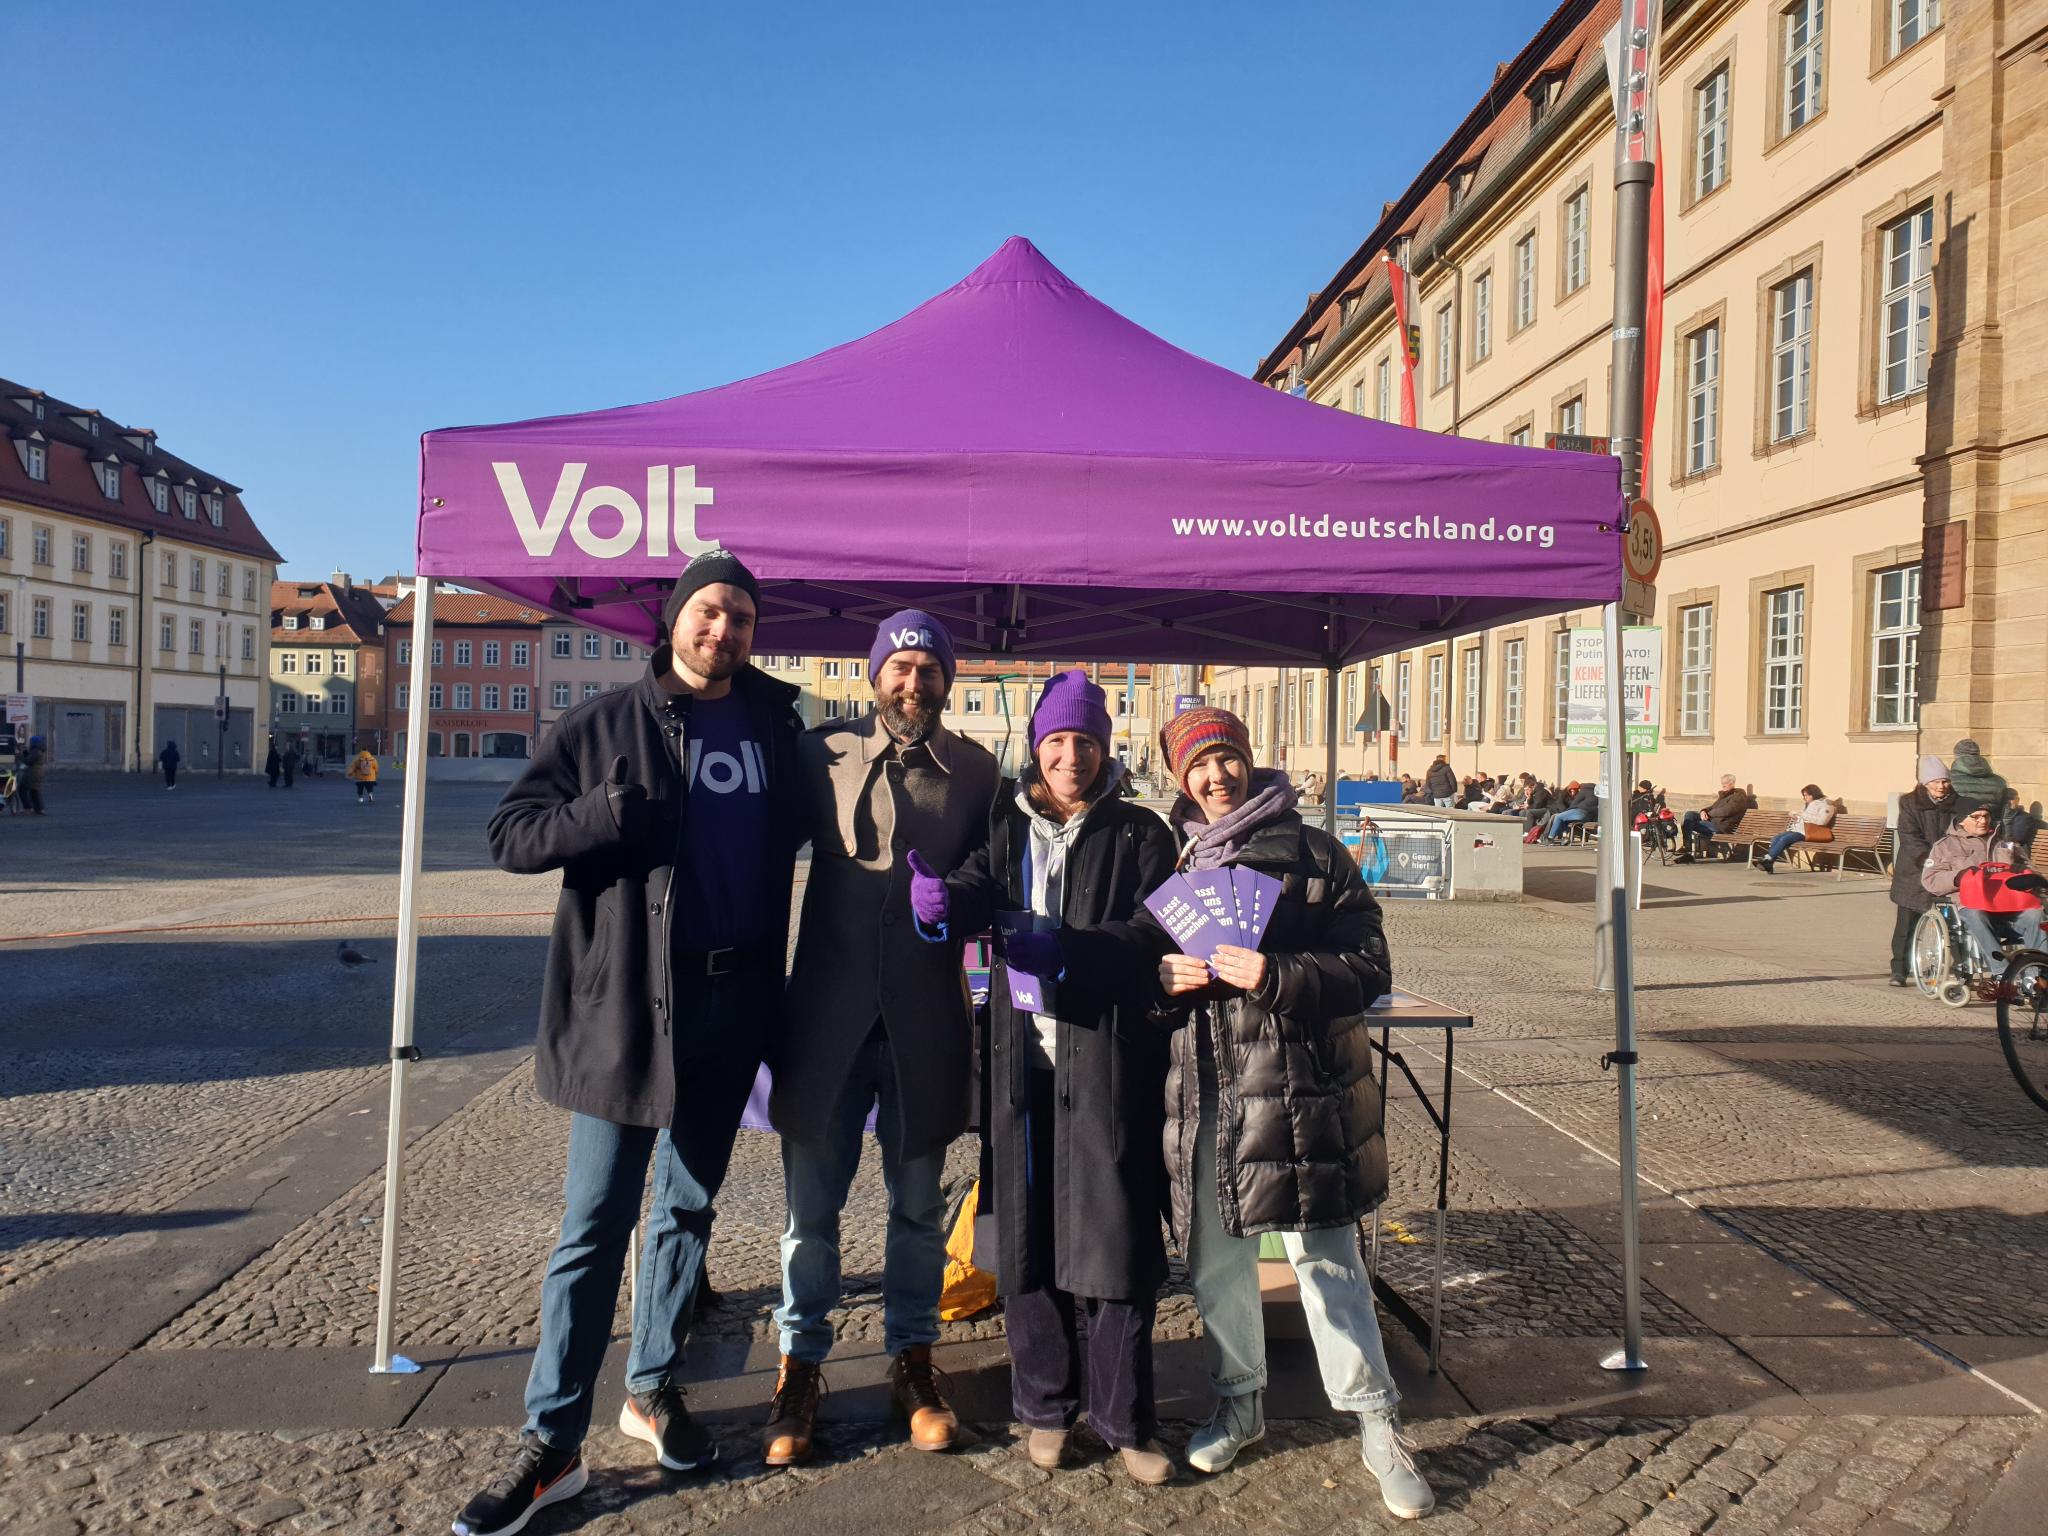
{"x": 1213, "y": 844}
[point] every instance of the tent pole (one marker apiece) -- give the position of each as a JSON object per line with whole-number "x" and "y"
{"x": 405, "y": 974}
{"x": 1330, "y": 751}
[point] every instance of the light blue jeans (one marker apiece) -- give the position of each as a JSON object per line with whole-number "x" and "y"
{"x": 1554, "y": 833}
{"x": 1336, "y": 1293}
{"x": 815, "y": 1178}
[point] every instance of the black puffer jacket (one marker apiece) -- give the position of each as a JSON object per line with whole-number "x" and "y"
{"x": 1923, "y": 822}
{"x": 1300, "y": 1142}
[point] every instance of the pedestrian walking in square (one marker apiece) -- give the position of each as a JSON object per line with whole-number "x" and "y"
{"x": 1273, "y": 1119}
{"x": 1075, "y": 1085}
{"x": 272, "y": 764}
{"x": 671, "y": 810}
{"x": 876, "y": 1018}
{"x": 363, "y": 769}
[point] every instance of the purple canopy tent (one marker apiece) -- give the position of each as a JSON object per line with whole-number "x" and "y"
{"x": 1051, "y": 479}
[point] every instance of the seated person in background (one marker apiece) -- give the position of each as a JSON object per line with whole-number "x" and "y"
{"x": 1817, "y": 811}
{"x": 1411, "y": 791}
{"x": 1972, "y": 842}
{"x": 1582, "y": 804}
{"x": 1724, "y": 815}
{"x": 1536, "y": 808}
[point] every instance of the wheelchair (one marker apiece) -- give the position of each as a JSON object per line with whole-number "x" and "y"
{"x": 1948, "y": 963}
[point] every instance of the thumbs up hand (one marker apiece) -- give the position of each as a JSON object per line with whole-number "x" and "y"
{"x": 929, "y": 903}
{"x": 628, "y": 802}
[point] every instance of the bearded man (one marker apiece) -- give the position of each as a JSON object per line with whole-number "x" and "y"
{"x": 876, "y": 1017}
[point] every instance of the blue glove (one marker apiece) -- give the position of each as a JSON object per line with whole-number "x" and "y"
{"x": 1036, "y": 954}
{"x": 929, "y": 903}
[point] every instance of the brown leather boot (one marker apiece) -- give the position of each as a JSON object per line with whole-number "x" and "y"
{"x": 792, "y": 1413}
{"x": 914, "y": 1388}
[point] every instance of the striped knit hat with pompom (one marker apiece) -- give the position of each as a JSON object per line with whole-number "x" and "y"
{"x": 1194, "y": 731}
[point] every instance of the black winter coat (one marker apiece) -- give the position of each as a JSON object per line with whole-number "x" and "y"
{"x": 1109, "y": 1069}
{"x": 1300, "y": 1142}
{"x": 1923, "y": 822}
{"x": 608, "y": 1002}
{"x": 1441, "y": 781}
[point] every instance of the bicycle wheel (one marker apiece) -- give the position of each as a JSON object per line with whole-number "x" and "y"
{"x": 2023, "y": 1021}
{"x": 1930, "y": 953}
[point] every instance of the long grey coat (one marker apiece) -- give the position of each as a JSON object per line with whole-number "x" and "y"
{"x": 858, "y": 954}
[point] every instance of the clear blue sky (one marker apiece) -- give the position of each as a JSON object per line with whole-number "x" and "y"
{"x": 293, "y": 237}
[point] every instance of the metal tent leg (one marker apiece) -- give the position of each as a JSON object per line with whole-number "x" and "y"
{"x": 405, "y": 981}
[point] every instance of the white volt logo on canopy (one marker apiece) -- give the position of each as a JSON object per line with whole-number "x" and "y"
{"x": 673, "y": 497}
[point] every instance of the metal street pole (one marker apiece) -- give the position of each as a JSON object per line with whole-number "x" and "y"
{"x": 1634, "y": 182}
{"x": 220, "y": 726}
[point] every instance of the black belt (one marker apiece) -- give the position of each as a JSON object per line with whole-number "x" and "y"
{"x": 724, "y": 962}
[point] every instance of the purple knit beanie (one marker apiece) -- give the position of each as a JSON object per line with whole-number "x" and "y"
{"x": 912, "y": 630}
{"x": 1069, "y": 702}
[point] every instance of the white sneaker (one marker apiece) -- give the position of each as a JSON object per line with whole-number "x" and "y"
{"x": 1389, "y": 1456}
{"x": 1236, "y": 1423}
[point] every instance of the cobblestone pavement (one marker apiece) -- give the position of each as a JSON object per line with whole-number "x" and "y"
{"x": 1573, "y": 1477}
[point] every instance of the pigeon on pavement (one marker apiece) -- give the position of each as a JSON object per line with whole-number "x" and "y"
{"x": 347, "y": 953}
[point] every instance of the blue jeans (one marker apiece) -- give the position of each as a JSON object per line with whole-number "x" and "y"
{"x": 1783, "y": 841}
{"x": 1563, "y": 819}
{"x": 815, "y": 1178}
{"x": 601, "y": 1202}
{"x": 1984, "y": 928}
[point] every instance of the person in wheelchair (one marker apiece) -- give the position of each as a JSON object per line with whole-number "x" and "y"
{"x": 1970, "y": 843}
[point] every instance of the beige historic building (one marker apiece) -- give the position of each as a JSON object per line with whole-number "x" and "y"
{"x": 1846, "y": 190}
{"x": 134, "y": 593}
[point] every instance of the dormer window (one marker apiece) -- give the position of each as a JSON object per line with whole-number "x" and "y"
{"x": 34, "y": 454}
{"x": 1349, "y": 307}
{"x": 30, "y": 404}
{"x": 1309, "y": 349}
{"x": 291, "y": 621}
{"x": 89, "y": 423}
{"x": 1461, "y": 184}
{"x": 1543, "y": 94}
{"x": 319, "y": 621}
{"x": 188, "y": 501}
{"x": 143, "y": 443}
{"x": 213, "y": 508}
{"x": 108, "y": 473}
{"x": 159, "y": 494}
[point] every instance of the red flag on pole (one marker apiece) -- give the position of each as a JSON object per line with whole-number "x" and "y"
{"x": 1410, "y": 337}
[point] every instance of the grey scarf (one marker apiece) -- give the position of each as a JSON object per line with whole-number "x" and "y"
{"x": 1213, "y": 844}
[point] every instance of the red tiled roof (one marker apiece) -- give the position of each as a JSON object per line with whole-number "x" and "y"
{"x": 470, "y": 610}
{"x": 74, "y": 490}
{"x": 354, "y": 616}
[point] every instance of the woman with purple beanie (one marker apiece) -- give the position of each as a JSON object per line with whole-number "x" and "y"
{"x": 1076, "y": 1075}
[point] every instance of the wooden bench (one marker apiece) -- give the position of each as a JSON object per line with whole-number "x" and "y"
{"x": 1861, "y": 837}
{"x": 1755, "y": 830}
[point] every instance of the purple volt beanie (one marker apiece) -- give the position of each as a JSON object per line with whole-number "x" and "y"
{"x": 1069, "y": 702}
{"x": 912, "y": 630}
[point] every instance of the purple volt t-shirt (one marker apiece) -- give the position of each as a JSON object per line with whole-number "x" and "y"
{"x": 722, "y": 895}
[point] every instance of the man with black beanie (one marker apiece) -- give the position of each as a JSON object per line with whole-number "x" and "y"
{"x": 672, "y": 811}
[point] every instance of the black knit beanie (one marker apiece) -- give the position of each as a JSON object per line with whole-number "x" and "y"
{"x": 714, "y": 567}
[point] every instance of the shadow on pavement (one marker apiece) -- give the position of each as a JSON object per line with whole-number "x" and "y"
{"x": 41, "y": 1226}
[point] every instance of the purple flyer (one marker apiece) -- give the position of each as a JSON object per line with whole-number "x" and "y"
{"x": 1185, "y": 919}
{"x": 1263, "y": 891}
{"x": 1027, "y": 992}
{"x": 1213, "y": 889}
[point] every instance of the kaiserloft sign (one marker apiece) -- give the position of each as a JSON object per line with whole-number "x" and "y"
{"x": 664, "y": 523}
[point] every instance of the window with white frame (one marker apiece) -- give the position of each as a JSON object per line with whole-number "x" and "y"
{"x": 1578, "y": 224}
{"x": 39, "y": 545}
{"x": 592, "y": 690}
{"x": 35, "y": 458}
{"x": 1470, "y": 704}
{"x": 405, "y": 653}
{"x": 81, "y": 621}
{"x": 1482, "y": 317}
{"x": 248, "y": 583}
{"x": 39, "y": 618}
{"x": 1308, "y": 712}
{"x": 188, "y": 501}
{"x": 1571, "y": 417}
{"x": 117, "y": 560}
{"x": 1792, "y": 357}
{"x": 1908, "y": 304}
{"x": 521, "y": 700}
{"x": 170, "y": 569}
{"x": 223, "y": 580}
{"x": 195, "y": 638}
{"x": 853, "y": 669}
{"x": 522, "y": 654}
{"x": 81, "y": 552}
{"x": 561, "y": 696}
{"x": 1911, "y": 20}
{"x": 1406, "y": 676}
{"x": 1358, "y": 397}
{"x": 1520, "y": 437}
{"x": 1383, "y": 389}
{"x": 6, "y": 616}
{"x": 198, "y": 574}
{"x": 287, "y": 663}
{"x": 314, "y": 663}
{"x": 437, "y": 652}
{"x": 1435, "y": 717}
{"x": 248, "y": 642}
{"x": 109, "y": 476}
{"x": 215, "y": 507}
{"x": 831, "y": 669}
{"x": 1444, "y": 338}
{"x": 1784, "y": 661}
{"x": 1525, "y": 280}
{"x": 831, "y": 709}
{"x": 465, "y": 696}
{"x": 1696, "y": 670}
{"x": 970, "y": 701}
{"x": 1804, "y": 23}
{"x": 402, "y": 695}
{"x": 340, "y": 664}
{"x": 1710, "y": 133}
{"x": 1895, "y": 649}
{"x": 6, "y": 537}
{"x": 491, "y": 696}
{"x": 564, "y": 644}
{"x": 287, "y": 702}
{"x": 1703, "y": 399}
{"x": 313, "y": 705}
{"x": 593, "y": 646}
{"x": 434, "y": 695}
{"x": 1514, "y": 674}
{"x": 1560, "y": 681}
{"x": 622, "y": 650}
{"x": 492, "y": 651}
{"x": 166, "y": 633}
{"x": 463, "y": 652}
{"x": 117, "y": 626}
{"x": 160, "y": 496}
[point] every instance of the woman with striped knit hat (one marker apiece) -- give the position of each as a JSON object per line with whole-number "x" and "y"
{"x": 1273, "y": 1121}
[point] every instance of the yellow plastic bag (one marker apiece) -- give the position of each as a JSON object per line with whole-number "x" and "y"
{"x": 967, "y": 1290}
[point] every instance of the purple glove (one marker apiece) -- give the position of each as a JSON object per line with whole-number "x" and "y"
{"x": 928, "y": 901}
{"x": 1035, "y": 954}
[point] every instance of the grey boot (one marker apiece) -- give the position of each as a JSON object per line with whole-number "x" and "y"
{"x": 1236, "y": 1423}
{"x": 1390, "y": 1456}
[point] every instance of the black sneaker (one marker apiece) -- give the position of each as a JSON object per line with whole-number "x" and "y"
{"x": 659, "y": 1418}
{"x": 539, "y": 1476}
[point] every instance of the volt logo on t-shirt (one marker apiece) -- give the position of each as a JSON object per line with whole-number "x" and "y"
{"x": 725, "y": 773}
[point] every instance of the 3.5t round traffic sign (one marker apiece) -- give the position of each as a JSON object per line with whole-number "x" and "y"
{"x": 1642, "y": 552}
